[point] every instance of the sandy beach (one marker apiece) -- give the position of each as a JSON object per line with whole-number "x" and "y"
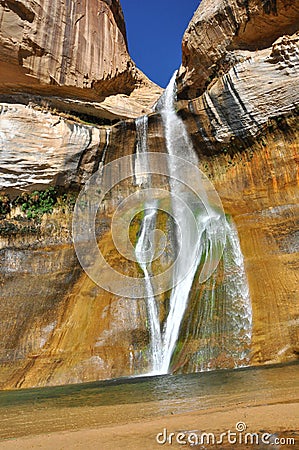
{"x": 281, "y": 417}
{"x": 266, "y": 410}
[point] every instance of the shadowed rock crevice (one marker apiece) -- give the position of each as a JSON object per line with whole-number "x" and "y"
{"x": 19, "y": 8}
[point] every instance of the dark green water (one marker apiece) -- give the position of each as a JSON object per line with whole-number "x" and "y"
{"x": 192, "y": 391}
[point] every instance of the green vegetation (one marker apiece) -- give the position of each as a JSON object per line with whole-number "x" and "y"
{"x": 38, "y": 203}
{"x": 33, "y": 206}
{"x": 135, "y": 227}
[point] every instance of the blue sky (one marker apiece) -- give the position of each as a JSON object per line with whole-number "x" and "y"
{"x": 154, "y": 30}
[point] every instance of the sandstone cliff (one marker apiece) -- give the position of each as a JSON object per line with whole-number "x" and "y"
{"x": 76, "y": 51}
{"x": 238, "y": 94}
{"x": 237, "y": 105}
{"x": 42, "y": 149}
{"x": 221, "y": 33}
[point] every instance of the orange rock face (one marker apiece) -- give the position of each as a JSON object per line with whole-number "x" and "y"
{"x": 65, "y": 43}
{"x": 259, "y": 188}
{"x": 71, "y": 49}
{"x": 238, "y": 91}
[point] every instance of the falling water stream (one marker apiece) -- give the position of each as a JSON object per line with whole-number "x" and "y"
{"x": 141, "y": 177}
{"x": 164, "y": 339}
{"x": 102, "y": 162}
{"x": 144, "y": 243}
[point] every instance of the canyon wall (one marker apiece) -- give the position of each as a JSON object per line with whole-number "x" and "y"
{"x": 238, "y": 96}
{"x": 223, "y": 33}
{"x": 75, "y": 55}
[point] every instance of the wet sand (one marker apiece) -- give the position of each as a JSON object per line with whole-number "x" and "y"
{"x": 283, "y": 418}
{"x": 266, "y": 400}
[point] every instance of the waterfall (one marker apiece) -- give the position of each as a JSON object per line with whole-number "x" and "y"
{"x": 209, "y": 223}
{"x": 144, "y": 243}
{"x": 102, "y": 162}
{"x": 193, "y": 254}
{"x": 141, "y": 148}
{"x": 178, "y": 144}
{"x": 223, "y": 321}
{"x": 237, "y": 294}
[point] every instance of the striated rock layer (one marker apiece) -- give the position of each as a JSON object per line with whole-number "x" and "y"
{"x": 39, "y": 149}
{"x": 236, "y": 106}
{"x": 74, "y": 51}
{"x": 220, "y": 34}
{"x": 238, "y": 94}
